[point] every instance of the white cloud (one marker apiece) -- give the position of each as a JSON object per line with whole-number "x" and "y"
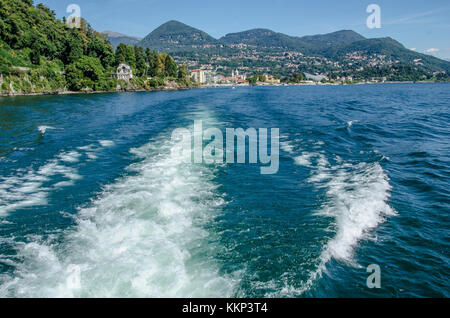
{"x": 417, "y": 18}
{"x": 413, "y": 49}
{"x": 432, "y": 51}
{"x": 439, "y": 53}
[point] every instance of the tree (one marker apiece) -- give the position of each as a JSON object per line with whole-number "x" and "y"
{"x": 125, "y": 54}
{"x": 74, "y": 47}
{"x": 35, "y": 55}
{"x": 102, "y": 50}
{"x": 152, "y": 60}
{"x": 141, "y": 66}
{"x": 74, "y": 77}
{"x": 252, "y": 80}
{"x": 91, "y": 67}
{"x": 121, "y": 54}
{"x": 170, "y": 66}
{"x": 161, "y": 64}
{"x": 295, "y": 78}
{"x": 130, "y": 58}
{"x": 87, "y": 71}
{"x": 183, "y": 72}
{"x": 262, "y": 78}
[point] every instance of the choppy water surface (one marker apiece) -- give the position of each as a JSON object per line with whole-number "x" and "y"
{"x": 92, "y": 182}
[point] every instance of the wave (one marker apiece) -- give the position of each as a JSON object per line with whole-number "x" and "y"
{"x": 286, "y": 145}
{"x": 28, "y": 188}
{"x": 356, "y": 199}
{"x": 351, "y": 122}
{"x": 304, "y": 159}
{"x": 144, "y": 236}
{"x": 107, "y": 143}
{"x": 43, "y": 129}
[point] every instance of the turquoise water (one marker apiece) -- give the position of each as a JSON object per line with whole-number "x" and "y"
{"x": 91, "y": 181}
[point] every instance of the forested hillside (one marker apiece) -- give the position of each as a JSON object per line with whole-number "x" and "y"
{"x": 174, "y": 35}
{"x": 39, "y": 53}
{"x": 342, "y": 54}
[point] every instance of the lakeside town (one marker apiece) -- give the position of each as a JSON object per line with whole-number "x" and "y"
{"x": 353, "y": 68}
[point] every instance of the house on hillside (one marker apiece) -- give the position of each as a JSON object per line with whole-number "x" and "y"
{"x": 123, "y": 72}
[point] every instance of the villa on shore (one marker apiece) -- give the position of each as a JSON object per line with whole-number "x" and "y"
{"x": 123, "y": 72}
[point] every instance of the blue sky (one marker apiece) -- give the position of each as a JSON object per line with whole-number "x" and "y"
{"x": 420, "y": 24}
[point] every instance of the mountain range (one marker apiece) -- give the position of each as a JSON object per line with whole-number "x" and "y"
{"x": 115, "y": 38}
{"x": 346, "y": 48}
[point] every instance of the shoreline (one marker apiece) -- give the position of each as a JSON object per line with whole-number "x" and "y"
{"x": 317, "y": 84}
{"x": 62, "y": 93}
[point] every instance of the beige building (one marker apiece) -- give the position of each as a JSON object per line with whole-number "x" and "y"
{"x": 198, "y": 76}
{"x": 272, "y": 79}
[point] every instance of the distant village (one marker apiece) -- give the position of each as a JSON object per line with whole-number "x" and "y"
{"x": 354, "y": 67}
{"x": 210, "y": 77}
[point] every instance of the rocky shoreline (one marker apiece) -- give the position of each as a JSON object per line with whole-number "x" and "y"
{"x": 172, "y": 87}
{"x": 178, "y": 87}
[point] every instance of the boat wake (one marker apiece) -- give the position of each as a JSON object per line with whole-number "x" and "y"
{"x": 357, "y": 201}
{"x": 30, "y": 188}
{"x": 26, "y": 188}
{"x": 144, "y": 236}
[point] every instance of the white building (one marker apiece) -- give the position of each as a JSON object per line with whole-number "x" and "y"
{"x": 198, "y": 76}
{"x": 315, "y": 78}
{"x": 124, "y": 72}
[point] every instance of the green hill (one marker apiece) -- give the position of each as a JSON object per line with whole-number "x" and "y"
{"x": 264, "y": 38}
{"x": 347, "y": 50}
{"x": 391, "y": 49}
{"x": 175, "y": 36}
{"x": 321, "y": 41}
{"x": 116, "y": 38}
{"x": 306, "y": 44}
{"x": 335, "y": 46}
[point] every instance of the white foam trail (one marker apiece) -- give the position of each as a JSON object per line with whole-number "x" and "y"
{"x": 357, "y": 200}
{"x": 287, "y": 147}
{"x": 106, "y": 143}
{"x": 92, "y": 156}
{"x": 143, "y": 237}
{"x": 71, "y": 156}
{"x": 91, "y": 151}
{"x": 26, "y": 189}
{"x": 304, "y": 159}
{"x": 358, "y": 196}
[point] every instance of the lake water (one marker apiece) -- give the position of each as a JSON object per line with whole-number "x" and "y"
{"x": 94, "y": 202}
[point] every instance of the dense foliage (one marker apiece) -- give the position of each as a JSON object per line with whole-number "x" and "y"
{"x": 172, "y": 34}
{"x": 39, "y": 53}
